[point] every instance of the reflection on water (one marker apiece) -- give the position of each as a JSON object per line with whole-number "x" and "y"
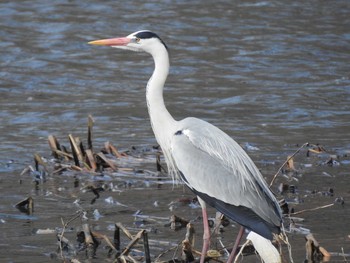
{"x": 268, "y": 73}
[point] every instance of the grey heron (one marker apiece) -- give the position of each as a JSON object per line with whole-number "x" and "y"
{"x": 208, "y": 161}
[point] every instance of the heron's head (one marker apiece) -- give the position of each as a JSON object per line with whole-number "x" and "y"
{"x": 143, "y": 40}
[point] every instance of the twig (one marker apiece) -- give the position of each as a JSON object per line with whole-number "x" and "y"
{"x": 105, "y": 238}
{"x": 91, "y": 160}
{"x": 106, "y": 160}
{"x": 288, "y": 159}
{"x": 126, "y": 232}
{"x": 116, "y": 238}
{"x": 38, "y": 160}
{"x": 146, "y": 247}
{"x": 60, "y": 236}
{"x": 26, "y": 205}
{"x": 54, "y": 145}
{"x": 90, "y": 126}
{"x": 133, "y": 242}
{"x": 311, "y": 209}
{"x": 89, "y": 241}
{"x": 166, "y": 251}
{"x": 344, "y": 255}
{"x": 240, "y": 253}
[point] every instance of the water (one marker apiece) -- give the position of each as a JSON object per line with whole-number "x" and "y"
{"x": 269, "y": 73}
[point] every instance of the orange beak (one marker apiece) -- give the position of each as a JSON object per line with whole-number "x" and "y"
{"x": 119, "y": 41}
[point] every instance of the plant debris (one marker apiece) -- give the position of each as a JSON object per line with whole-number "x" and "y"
{"x": 110, "y": 170}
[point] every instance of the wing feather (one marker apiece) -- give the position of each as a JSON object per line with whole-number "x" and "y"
{"x": 214, "y": 164}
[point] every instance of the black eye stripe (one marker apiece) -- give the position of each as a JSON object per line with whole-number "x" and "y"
{"x": 146, "y": 34}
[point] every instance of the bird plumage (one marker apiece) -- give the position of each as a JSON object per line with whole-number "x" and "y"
{"x": 215, "y": 167}
{"x": 210, "y": 162}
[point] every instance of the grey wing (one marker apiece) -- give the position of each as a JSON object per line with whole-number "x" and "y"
{"x": 212, "y": 163}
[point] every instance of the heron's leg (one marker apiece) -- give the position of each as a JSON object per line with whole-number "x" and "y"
{"x": 206, "y": 234}
{"x": 232, "y": 256}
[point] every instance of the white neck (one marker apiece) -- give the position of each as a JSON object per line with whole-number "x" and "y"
{"x": 163, "y": 124}
{"x": 161, "y": 119}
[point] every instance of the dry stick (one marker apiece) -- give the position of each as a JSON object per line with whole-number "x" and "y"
{"x": 107, "y": 148}
{"x": 190, "y": 233}
{"x": 176, "y": 219}
{"x": 67, "y": 155}
{"x": 89, "y": 241}
{"x": 28, "y": 169}
{"x": 240, "y": 253}
{"x": 54, "y": 145}
{"x": 75, "y": 150}
{"x": 164, "y": 252}
{"x": 90, "y": 125}
{"x": 101, "y": 236}
{"x": 146, "y": 247}
{"x": 81, "y": 147}
{"x": 312, "y": 209}
{"x": 27, "y": 205}
{"x": 66, "y": 241}
{"x": 91, "y": 159}
{"x": 116, "y": 239}
{"x": 310, "y": 247}
{"x": 158, "y": 165}
{"x": 273, "y": 180}
{"x": 76, "y": 168}
{"x": 187, "y": 254}
{"x": 109, "y": 162}
{"x": 38, "y": 160}
{"x": 344, "y": 255}
{"x": 290, "y": 157}
{"x": 126, "y": 232}
{"x": 64, "y": 229}
{"x": 132, "y": 242}
{"x": 115, "y": 151}
{"x": 187, "y": 244}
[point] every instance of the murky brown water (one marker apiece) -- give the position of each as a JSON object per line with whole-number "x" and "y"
{"x": 270, "y": 73}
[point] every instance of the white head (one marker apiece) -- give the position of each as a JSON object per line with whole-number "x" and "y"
{"x": 143, "y": 40}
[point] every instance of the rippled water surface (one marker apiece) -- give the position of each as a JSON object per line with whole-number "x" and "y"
{"x": 272, "y": 74}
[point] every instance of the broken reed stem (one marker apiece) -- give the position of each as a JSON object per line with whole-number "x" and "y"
{"x": 344, "y": 255}
{"x": 90, "y": 126}
{"x": 111, "y": 149}
{"x": 174, "y": 219}
{"x": 105, "y": 238}
{"x": 38, "y": 161}
{"x": 146, "y": 247}
{"x": 187, "y": 251}
{"x": 116, "y": 239}
{"x": 89, "y": 241}
{"x": 288, "y": 159}
{"x": 26, "y": 205}
{"x": 190, "y": 233}
{"x": 75, "y": 150}
{"x": 91, "y": 160}
{"x": 166, "y": 251}
{"x": 126, "y": 232}
{"x": 54, "y": 146}
{"x": 67, "y": 155}
{"x": 311, "y": 209}
{"x": 60, "y": 236}
{"x": 158, "y": 165}
{"x": 106, "y": 160}
{"x": 240, "y": 252}
{"x": 132, "y": 242}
